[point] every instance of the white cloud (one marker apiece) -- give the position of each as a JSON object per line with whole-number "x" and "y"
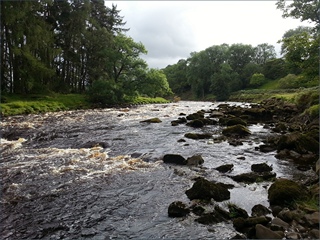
{"x": 171, "y": 30}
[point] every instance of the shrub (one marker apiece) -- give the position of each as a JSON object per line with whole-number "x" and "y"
{"x": 104, "y": 92}
{"x": 257, "y": 80}
{"x": 289, "y": 81}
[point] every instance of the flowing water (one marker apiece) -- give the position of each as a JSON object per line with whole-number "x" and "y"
{"x": 57, "y": 183}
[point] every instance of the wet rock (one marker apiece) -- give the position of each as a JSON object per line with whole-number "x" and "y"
{"x": 267, "y": 148}
{"x": 252, "y": 221}
{"x": 239, "y": 223}
{"x": 261, "y": 167}
{"x": 92, "y": 144}
{"x": 174, "y": 158}
{"x": 178, "y": 209}
{"x": 235, "y": 142}
{"x": 198, "y": 135}
{"x": 280, "y": 127}
{"x": 181, "y": 140}
{"x": 195, "y": 160}
{"x": 225, "y": 168}
{"x": 277, "y": 224}
{"x": 197, "y": 115}
{"x": 152, "y": 120}
{"x": 236, "y": 121}
{"x": 198, "y": 210}
{"x": 236, "y": 130}
{"x": 293, "y": 235}
{"x": 197, "y": 123}
{"x": 298, "y": 142}
{"x": 180, "y": 120}
{"x": 263, "y": 232}
{"x": 211, "y": 218}
{"x": 283, "y": 191}
{"x": 259, "y": 210}
{"x": 239, "y": 236}
{"x": 236, "y": 211}
{"x": 203, "y": 189}
{"x": 254, "y": 177}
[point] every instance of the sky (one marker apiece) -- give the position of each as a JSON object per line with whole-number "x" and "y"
{"x": 171, "y": 30}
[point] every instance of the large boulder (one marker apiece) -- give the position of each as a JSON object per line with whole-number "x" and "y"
{"x": 283, "y": 192}
{"x": 204, "y": 189}
{"x": 175, "y": 159}
{"x": 254, "y": 177}
{"x": 178, "y": 209}
{"x": 225, "y": 168}
{"x": 196, "y": 136}
{"x": 301, "y": 143}
{"x": 235, "y": 121}
{"x": 263, "y": 232}
{"x": 236, "y": 131}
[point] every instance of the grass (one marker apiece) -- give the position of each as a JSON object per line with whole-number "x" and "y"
{"x": 34, "y": 104}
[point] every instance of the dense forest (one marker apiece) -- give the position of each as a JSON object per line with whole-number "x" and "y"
{"x": 73, "y": 47}
{"x": 81, "y": 46}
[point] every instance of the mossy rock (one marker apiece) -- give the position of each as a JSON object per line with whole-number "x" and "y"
{"x": 235, "y": 121}
{"x": 194, "y": 116}
{"x": 225, "y": 168}
{"x": 298, "y": 142}
{"x": 254, "y": 177}
{"x": 283, "y": 192}
{"x": 195, "y": 160}
{"x": 178, "y": 209}
{"x": 205, "y": 190}
{"x": 236, "y": 130}
{"x": 198, "y": 135}
{"x": 210, "y": 218}
{"x": 197, "y": 123}
{"x": 152, "y": 120}
{"x": 261, "y": 167}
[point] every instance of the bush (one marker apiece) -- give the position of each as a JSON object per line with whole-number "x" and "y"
{"x": 104, "y": 92}
{"x": 289, "y": 81}
{"x": 257, "y": 80}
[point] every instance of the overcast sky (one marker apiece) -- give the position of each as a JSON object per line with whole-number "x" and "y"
{"x": 171, "y": 30}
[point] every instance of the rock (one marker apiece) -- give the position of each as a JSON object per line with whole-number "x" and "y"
{"x": 198, "y": 210}
{"x": 317, "y": 167}
{"x": 235, "y": 142}
{"x": 283, "y": 191}
{"x": 252, "y": 221}
{"x": 198, "y": 135}
{"x": 288, "y": 215}
{"x": 92, "y": 144}
{"x": 239, "y": 236}
{"x": 174, "y": 158}
{"x": 180, "y": 120}
{"x": 261, "y": 167}
{"x": 210, "y": 218}
{"x": 312, "y": 220}
{"x": 263, "y": 232}
{"x": 236, "y": 121}
{"x": 178, "y": 209}
{"x": 236, "y": 211}
{"x": 197, "y": 115}
{"x": 197, "y": 123}
{"x": 267, "y": 148}
{"x": 236, "y": 130}
{"x": 203, "y": 189}
{"x": 277, "y": 224}
{"x": 259, "y": 210}
{"x": 314, "y": 233}
{"x": 239, "y": 223}
{"x": 225, "y": 168}
{"x": 253, "y": 177}
{"x": 195, "y": 160}
{"x": 152, "y": 120}
{"x": 216, "y": 114}
{"x": 298, "y": 142}
{"x": 293, "y": 235}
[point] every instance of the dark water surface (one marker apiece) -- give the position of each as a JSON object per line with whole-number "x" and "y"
{"x": 57, "y": 185}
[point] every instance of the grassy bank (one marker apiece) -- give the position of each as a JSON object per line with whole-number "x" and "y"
{"x": 20, "y": 104}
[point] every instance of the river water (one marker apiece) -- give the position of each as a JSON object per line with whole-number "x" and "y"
{"x": 57, "y": 183}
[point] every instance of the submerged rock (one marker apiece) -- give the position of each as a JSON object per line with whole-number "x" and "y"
{"x": 198, "y": 135}
{"x": 178, "y": 209}
{"x": 283, "y": 192}
{"x": 204, "y": 189}
{"x": 152, "y": 120}
{"x": 254, "y": 177}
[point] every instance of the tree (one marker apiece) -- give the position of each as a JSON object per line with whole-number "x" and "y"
{"x": 263, "y": 53}
{"x": 257, "y": 80}
{"x": 305, "y": 10}
{"x": 155, "y": 84}
{"x": 275, "y": 69}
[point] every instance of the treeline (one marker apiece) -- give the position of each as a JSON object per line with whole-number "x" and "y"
{"x": 222, "y": 69}
{"x": 70, "y": 47}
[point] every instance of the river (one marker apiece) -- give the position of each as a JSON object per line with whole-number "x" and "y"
{"x": 59, "y": 183}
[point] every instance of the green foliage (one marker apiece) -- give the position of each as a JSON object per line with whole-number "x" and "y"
{"x": 104, "y": 92}
{"x": 289, "y": 81}
{"x": 275, "y": 69}
{"x": 257, "y": 80}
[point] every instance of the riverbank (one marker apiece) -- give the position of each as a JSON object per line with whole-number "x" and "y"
{"x": 37, "y": 103}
